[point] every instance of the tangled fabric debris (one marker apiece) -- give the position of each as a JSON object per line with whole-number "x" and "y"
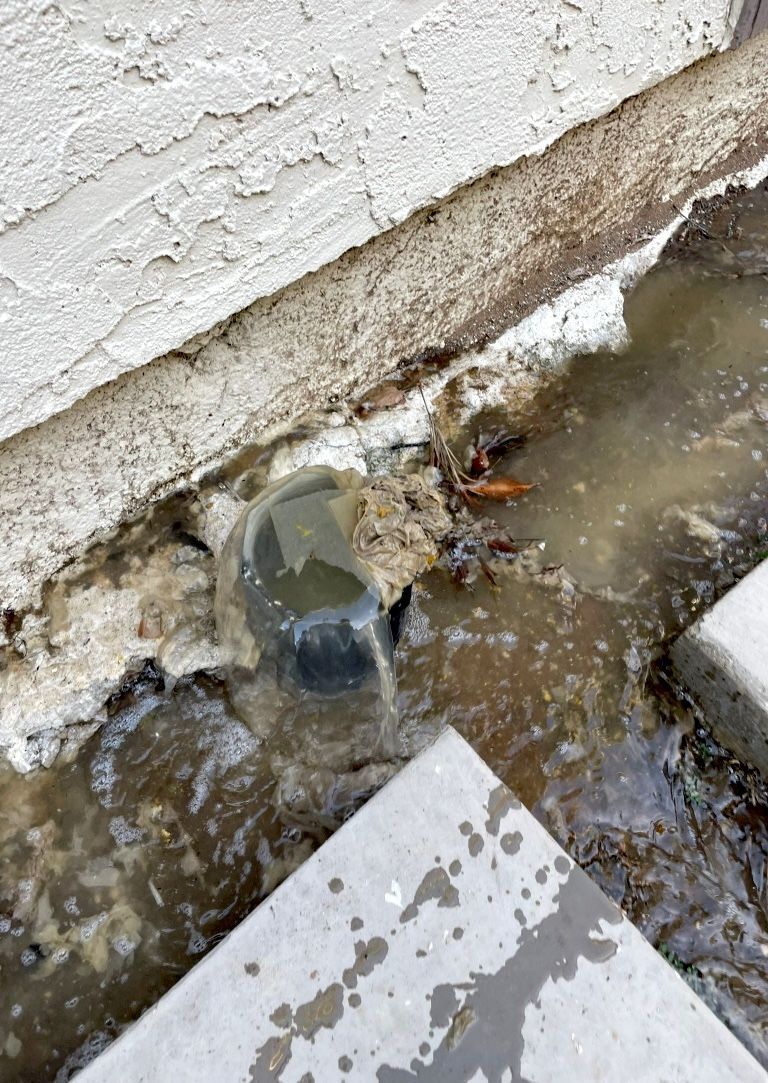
{"x": 402, "y": 520}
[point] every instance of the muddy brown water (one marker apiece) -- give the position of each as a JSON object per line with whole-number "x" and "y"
{"x": 119, "y": 871}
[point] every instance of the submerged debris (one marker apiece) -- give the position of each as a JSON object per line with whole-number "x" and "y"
{"x": 472, "y": 539}
{"x": 461, "y": 485}
{"x": 402, "y": 520}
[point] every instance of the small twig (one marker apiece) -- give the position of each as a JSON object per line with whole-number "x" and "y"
{"x": 706, "y": 234}
{"x": 441, "y": 455}
{"x": 694, "y": 225}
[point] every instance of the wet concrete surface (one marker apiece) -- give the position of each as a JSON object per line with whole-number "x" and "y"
{"x": 499, "y": 966}
{"x": 722, "y": 660}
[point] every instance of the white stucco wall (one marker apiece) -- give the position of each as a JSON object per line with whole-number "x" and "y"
{"x": 164, "y": 164}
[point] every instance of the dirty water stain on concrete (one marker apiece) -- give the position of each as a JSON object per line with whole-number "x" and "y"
{"x": 466, "y": 827}
{"x": 368, "y": 955}
{"x": 454, "y": 868}
{"x": 511, "y": 842}
{"x": 486, "y": 1031}
{"x": 435, "y": 885}
{"x": 500, "y": 802}
{"x": 336, "y": 885}
{"x": 252, "y": 969}
{"x": 356, "y": 924}
{"x": 443, "y": 1005}
{"x": 282, "y": 1017}
{"x": 273, "y": 1056}
{"x": 324, "y": 1010}
{"x": 475, "y": 844}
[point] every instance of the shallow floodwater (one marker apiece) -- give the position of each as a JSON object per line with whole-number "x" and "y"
{"x": 117, "y": 872}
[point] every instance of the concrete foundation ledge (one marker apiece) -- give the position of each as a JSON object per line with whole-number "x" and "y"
{"x": 723, "y": 661}
{"x": 440, "y": 935}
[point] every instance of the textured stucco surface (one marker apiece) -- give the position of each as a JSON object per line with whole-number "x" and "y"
{"x": 460, "y": 271}
{"x": 164, "y": 165}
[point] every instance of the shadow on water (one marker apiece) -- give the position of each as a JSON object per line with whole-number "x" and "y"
{"x": 118, "y": 871}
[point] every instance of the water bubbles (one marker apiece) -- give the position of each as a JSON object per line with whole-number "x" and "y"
{"x": 757, "y": 454}
{"x": 457, "y": 635}
{"x": 122, "y": 832}
{"x": 88, "y": 928}
{"x": 117, "y": 730}
{"x": 29, "y": 957}
{"x": 263, "y": 853}
{"x": 418, "y": 630}
{"x": 228, "y": 743}
{"x": 24, "y": 890}
{"x": 16, "y": 1011}
{"x": 103, "y": 777}
{"x": 70, "y": 905}
{"x": 123, "y": 945}
{"x": 636, "y": 658}
{"x": 5, "y": 924}
{"x": 201, "y": 788}
{"x": 197, "y": 943}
